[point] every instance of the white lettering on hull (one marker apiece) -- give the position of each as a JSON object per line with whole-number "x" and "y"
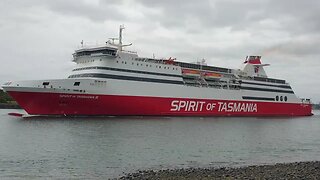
{"x": 78, "y": 96}
{"x": 188, "y": 106}
{"x": 199, "y": 106}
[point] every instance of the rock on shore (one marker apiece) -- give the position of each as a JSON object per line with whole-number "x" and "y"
{"x": 298, "y": 170}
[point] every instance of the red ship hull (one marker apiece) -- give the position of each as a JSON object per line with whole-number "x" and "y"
{"x": 36, "y": 103}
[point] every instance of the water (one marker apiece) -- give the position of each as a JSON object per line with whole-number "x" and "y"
{"x": 106, "y": 147}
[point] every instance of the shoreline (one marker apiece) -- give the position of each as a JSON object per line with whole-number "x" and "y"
{"x": 9, "y": 106}
{"x": 295, "y": 170}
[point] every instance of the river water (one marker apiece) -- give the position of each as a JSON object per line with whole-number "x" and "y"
{"x": 108, "y": 147}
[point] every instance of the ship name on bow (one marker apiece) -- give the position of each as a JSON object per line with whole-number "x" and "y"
{"x": 199, "y": 106}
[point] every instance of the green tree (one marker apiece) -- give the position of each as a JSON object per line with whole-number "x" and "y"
{"x": 4, "y": 97}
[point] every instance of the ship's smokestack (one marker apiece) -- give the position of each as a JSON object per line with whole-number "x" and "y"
{"x": 254, "y": 67}
{"x": 253, "y": 60}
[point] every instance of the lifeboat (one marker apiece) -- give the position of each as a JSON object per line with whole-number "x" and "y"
{"x": 212, "y": 75}
{"x": 190, "y": 72}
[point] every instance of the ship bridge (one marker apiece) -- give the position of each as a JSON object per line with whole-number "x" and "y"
{"x": 110, "y": 49}
{"x": 95, "y": 51}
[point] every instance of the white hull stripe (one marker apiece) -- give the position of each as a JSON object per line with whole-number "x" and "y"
{"x": 127, "y": 70}
{"x": 131, "y": 78}
{"x": 269, "y": 90}
{"x": 270, "y": 85}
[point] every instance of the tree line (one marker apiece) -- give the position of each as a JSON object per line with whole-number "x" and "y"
{"x": 4, "y": 97}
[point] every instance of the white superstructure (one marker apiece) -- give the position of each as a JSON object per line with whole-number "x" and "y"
{"x": 109, "y": 74}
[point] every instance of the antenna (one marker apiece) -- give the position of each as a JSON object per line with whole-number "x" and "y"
{"x": 120, "y": 37}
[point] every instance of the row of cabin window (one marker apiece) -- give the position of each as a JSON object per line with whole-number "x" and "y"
{"x": 165, "y": 67}
{"x": 96, "y": 82}
{"x": 87, "y": 61}
{"x": 103, "y": 51}
{"x": 47, "y": 83}
{"x": 75, "y": 84}
{"x": 281, "y": 98}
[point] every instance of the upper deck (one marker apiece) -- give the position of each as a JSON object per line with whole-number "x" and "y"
{"x": 95, "y": 51}
{"x": 87, "y": 56}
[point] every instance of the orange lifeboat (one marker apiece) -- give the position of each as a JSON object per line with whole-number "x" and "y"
{"x": 212, "y": 75}
{"x": 190, "y": 72}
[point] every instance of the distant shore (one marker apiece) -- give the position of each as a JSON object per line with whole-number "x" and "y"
{"x": 9, "y": 106}
{"x": 297, "y": 170}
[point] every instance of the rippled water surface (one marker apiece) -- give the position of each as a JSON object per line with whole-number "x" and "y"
{"x": 107, "y": 147}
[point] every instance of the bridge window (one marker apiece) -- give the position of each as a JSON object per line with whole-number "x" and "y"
{"x": 45, "y": 83}
{"x": 111, "y": 52}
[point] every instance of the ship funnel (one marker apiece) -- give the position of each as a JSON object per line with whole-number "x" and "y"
{"x": 253, "y": 60}
{"x": 253, "y": 67}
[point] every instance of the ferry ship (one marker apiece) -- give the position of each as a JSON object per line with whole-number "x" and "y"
{"x": 111, "y": 81}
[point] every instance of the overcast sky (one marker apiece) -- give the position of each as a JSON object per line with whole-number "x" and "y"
{"x": 38, "y": 37}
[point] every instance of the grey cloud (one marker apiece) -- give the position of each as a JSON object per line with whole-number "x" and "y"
{"x": 100, "y": 12}
{"x": 297, "y": 16}
{"x": 304, "y": 46}
{"x": 211, "y": 14}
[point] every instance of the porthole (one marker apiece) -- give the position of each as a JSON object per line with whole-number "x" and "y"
{"x": 285, "y": 98}
{"x": 277, "y": 98}
{"x": 281, "y": 98}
